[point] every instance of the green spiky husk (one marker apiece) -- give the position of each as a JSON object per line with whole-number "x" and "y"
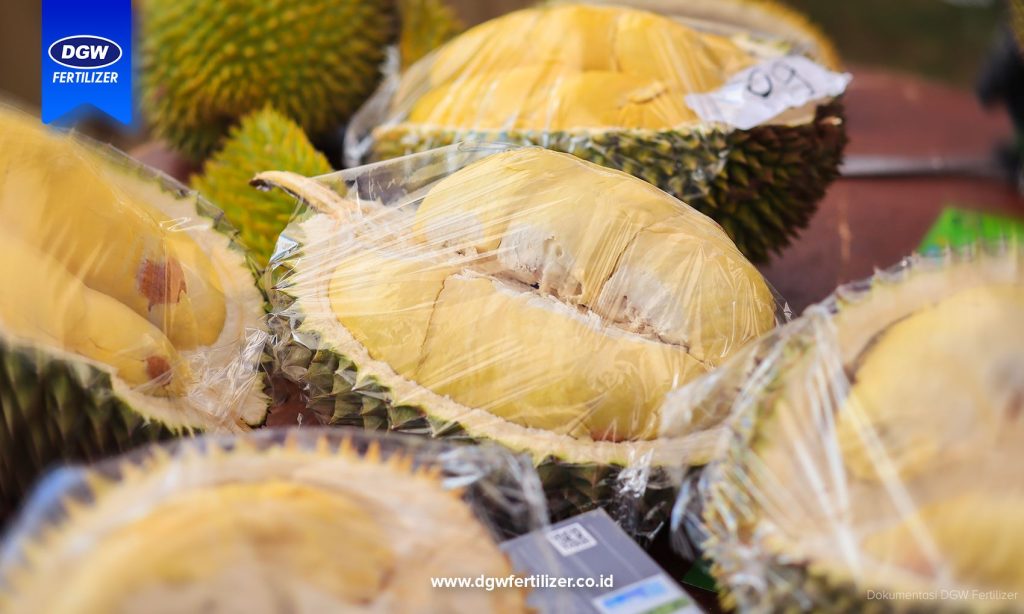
{"x": 205, "y": 64}
{"x": 762, "y": 185}
{"x": 263, "y": 140}
{"x": 55, "y": 411}
{"x": 426, "y": 25}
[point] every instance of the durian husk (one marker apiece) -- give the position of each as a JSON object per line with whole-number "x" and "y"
{"x": 263, "y": 140}
{"x": 206, "y": 64}
{"x": 760, "y": 567}
{"x": 305, "y": 520}
{"x": 59, "y": 407}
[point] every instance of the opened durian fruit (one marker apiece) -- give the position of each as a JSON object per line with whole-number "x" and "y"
{"x": 128, "y": 310}
{"x": 610, "y": 85}
{"x": 294, "y": 521}
{"x": 526, "y": 297}
{"x": 875, "y": 459}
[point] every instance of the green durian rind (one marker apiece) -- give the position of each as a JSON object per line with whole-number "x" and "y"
{"x": 263, "y": 140}
{"x": 206, "y": 64}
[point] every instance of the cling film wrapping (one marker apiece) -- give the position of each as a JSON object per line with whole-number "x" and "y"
{"x": 303, "y": 520}
{"x": 128, "y": 311}
{"x": 612, "y": 85}
{"x": 511, "y": 294}
{"x": 872, "y": 456}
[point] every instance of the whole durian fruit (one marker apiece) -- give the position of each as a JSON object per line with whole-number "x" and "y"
{"x": 263, "y": 140}
{"x": 205, "y": 64}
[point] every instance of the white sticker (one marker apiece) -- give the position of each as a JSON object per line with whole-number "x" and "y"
{"x": 759, "y": 93}
{"x": 571, "y": 539}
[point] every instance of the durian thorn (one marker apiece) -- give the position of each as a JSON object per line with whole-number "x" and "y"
{"x": 373, "y": 452}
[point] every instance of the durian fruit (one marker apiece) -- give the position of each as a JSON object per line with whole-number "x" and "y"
{"x": 240, "y": 526}
{"x": 876, "y": 459}
{"x": 264, "y": 140}
{"x": 532, "y": 298}
{"x": 128, "y": 312}
{"x": 426, "y": 25}
{"x": 608, "y": 84}
{"x": 766, "y": 18}
{"x": 206, "y": 64}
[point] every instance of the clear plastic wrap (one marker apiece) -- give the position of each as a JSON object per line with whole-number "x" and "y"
{"x": 616, "y": 86}
{"x": 512, "y": 294}
{"x": 873, "y": 457}
{"x": 300, "y": 520}
{"x": 129, "y": 310}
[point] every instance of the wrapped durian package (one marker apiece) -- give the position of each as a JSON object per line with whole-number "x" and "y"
{"x": 516, "y": 295}
{"x": 301, "y": 521}
{"x": 745, "y": 127}
{"x": 874, "y": 452}
{"x": 128, "y": 313}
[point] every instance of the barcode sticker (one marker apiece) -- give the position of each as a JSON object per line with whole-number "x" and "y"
{"x": 759, "y": 93}
{"x": 570, "y": 539}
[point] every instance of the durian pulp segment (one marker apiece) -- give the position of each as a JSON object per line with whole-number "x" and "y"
{"x": 917, "y": 486}
{"x": 284, "y": 529}
{"x": 550, "y": 69}
{"x": 568, "y": 316}
{"x": 537, "y": 362}
{"x": 57, "y": 196}
{"x": 44, "y": 304}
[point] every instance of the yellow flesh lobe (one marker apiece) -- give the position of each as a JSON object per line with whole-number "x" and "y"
{"x": 57, "y": 196}
{"x": 568, "y": 67}
{"x": 917, "y": 488}
{"x": 631, "y": 292}
{"x": 45, "y": 304}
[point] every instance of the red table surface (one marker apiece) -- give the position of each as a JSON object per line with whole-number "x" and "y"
{"x": 864, "y": 224}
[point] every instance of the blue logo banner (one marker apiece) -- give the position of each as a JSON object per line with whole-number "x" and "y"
{"x": 87, "y": 57}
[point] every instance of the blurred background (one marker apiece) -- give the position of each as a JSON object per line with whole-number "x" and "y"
{"x": 914, "y": 103}
{"x": 945, "y": 40}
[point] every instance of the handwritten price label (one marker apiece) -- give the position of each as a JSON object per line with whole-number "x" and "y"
{"x": 755, "y": 95}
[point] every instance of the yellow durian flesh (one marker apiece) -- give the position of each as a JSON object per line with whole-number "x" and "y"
{"x": 909, "y": 480}
{"x": 57, "y": 196}
{"x": 532, "y": 338}
{"x": 539, "y": 363}
{"x": 44, "y": 304}
{"x": 570, "y": 67}
{"x": 967, "y": 377}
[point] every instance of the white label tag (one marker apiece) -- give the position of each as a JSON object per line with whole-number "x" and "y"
{"x": 755, "y": 95}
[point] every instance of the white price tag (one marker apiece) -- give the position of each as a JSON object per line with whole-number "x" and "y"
{"x": 759, "y": 93}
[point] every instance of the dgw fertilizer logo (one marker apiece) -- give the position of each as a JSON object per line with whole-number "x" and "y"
{"x": 91, "y": 68}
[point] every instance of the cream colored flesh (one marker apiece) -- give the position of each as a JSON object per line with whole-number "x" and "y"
{"x": 573, "y": 67}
